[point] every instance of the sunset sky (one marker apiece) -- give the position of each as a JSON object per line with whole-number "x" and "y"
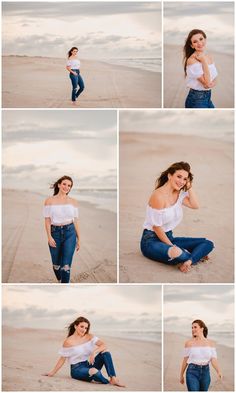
{"x": 41, "y": 146}
{"x": 99, "y": 29}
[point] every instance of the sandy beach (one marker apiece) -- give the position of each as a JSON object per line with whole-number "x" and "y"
{"x": 28, "y": 353}
{"x": 212, "y": 165}
{"x": 175, "y": 90}
{"x": 173, "y": 355}
{"x": 25, "y": 254}
{"x": 39, "y": 82}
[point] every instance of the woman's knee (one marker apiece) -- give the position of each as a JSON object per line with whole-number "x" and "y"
{"x": 209, "y": 244}
{"x": 93, "y": 371}
{"x": 174, "y": 252}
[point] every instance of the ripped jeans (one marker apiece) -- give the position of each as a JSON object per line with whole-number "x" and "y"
{"x": 192, "y": 248}
{"x": 81, "y": 370}
{"x": 76, "y": 81}
{"x": 62, "y": 254}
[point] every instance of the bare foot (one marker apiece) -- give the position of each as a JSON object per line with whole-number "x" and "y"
{"x": 74, "y": 103}
{"x": 185, "y": 267}
{"x": 115, "y": 381}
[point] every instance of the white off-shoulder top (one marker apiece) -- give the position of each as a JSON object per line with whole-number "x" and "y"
{"x": 74, "y": 64}
{"x": 195, "y": 71}
{"x": 79, "y": 353}
{"x": 200, "y": 355}
{"x": 167, "y": 218}
{"x": 61, "y": 214}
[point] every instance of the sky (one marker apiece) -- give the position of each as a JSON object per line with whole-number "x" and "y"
{"x": 41, "y": 146}
{"x": 215, "y": 18}
{"x": 214, "y": 304}
{"x": 108, "y": 307}
{"x": 180, "y": 122}
{"x": 99, "y": 29}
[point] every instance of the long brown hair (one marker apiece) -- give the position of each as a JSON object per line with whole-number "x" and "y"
{"x": 55, "y": 187}
{"x": 71, "y": 327}
{"x": 202, "y": 325}
{"x": 71, "y": 50}
{"x": 163, "y": 178}
{"x": 188, "y": 50}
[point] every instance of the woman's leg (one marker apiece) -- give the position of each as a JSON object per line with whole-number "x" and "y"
{"x": 156, "y": 250}
{"x": 192, "y": 378}
{"x": 197, "y": 99}
{"x": 81, "y": 85}
{"x": 81, "y": 372}
{"x": 205, "y": 379}
{"x": 68, "y": 249}
{"x": 56, "y": 253}
{"x": 74, "y": 82}
{"x": 105, "y": 359}
{"x": 210, "y": 103}
{"x": 198, "y": 247}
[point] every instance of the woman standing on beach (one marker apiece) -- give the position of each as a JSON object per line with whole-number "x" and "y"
{"x": 200, "y": 71}
{"x": 61, "y": 223}
{"x": 86, "y": 355}
{"x": 73, "y": 66}
{"x": 199, "y": 352}
{"x": 164, "y": 213}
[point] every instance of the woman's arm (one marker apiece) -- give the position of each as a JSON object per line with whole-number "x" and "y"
{"x": 57, "y": 367}
{"x": 215, "y": 365}
{"x": 51, "y": 241}
{"x": 206, "y": 73}
{"x": 100, "y": 347}
{"x": 70, "y": 70}
{"x": 183, "y": 368}
{"x": 76, "y": 225}
{"x": 191, "y": 200}
{"x": 161, "y": 235}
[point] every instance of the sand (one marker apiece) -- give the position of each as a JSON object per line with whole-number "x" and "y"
{"x": 175, "y": 90}
{"x": 26, "y": 257}
{"x": 28, "y": 353}
{"x": 173, "y": 355}
{"x": 212, "y": 166}
{"x": 38, "y": 82}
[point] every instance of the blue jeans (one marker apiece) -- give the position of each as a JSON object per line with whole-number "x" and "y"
{"x": 81, "y": 370}
{"x": 76, "y": 81}
{"x": 199, "y": 99}
{"x": 198, "y": 378}
{"x": 62, "y": 254}
{"x": 192, "y": 248}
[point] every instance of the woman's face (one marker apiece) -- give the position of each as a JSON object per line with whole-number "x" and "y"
{"x": 65, "y": 186}
{"x": 179, "y": 179}
{"x": 196, "y": 330}
{"x": 81, "y": 328}
{"x": 198, "y": 42}
{"x": 74, "y": 52}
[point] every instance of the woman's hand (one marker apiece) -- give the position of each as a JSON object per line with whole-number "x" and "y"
{"x": 219, "y": 374}
{"x": 188, "y": 185}
{"x": 74, "y": 73}
{"x": 52, "y": 242}
{"x": 181, "y": 380}
{"x": 50, "y": 374}
{"x": 91, "y": 358}
{"x": 77, "y": 245}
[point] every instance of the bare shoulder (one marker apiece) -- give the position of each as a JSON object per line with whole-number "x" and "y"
{"x": 74, "y": 202}
{"x": 157, "y": 200}
{"x": 48, "y": 201}
{"x": 68, "y": 342}
{"x": 191, "y": 60}
{"x": 188, "y": 343}
{"x": 210, "y": 58}
{"x": 90, "y": 336}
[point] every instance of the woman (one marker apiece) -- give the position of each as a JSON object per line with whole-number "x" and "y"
{"x": 61, "y": 223}
{"x": 198, "y": 353}
{"x": 73, "y": 66}
{"x": 164, "y": 213}
{"x": 86, "y": 355}
{"x": 200, "y": 71}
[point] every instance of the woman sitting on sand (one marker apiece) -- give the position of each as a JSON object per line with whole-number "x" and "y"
{"x": 73, "y": 66}
{"x": 198, "y": 353}
{"x": 200, "y": 71}
{"x": 61, "y": 223}
{"x": 164, "y": 213}
{"x": 86, "y": 355}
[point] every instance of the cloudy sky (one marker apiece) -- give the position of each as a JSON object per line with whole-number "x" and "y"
{"x": 109, "y": 308}
{"x": 215, "y": 18}
{"x": 40, "y": 146}
{"x": 214, "y": 304}
{"x": 99, "y": 29}
{"x": 180, "y": 122}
